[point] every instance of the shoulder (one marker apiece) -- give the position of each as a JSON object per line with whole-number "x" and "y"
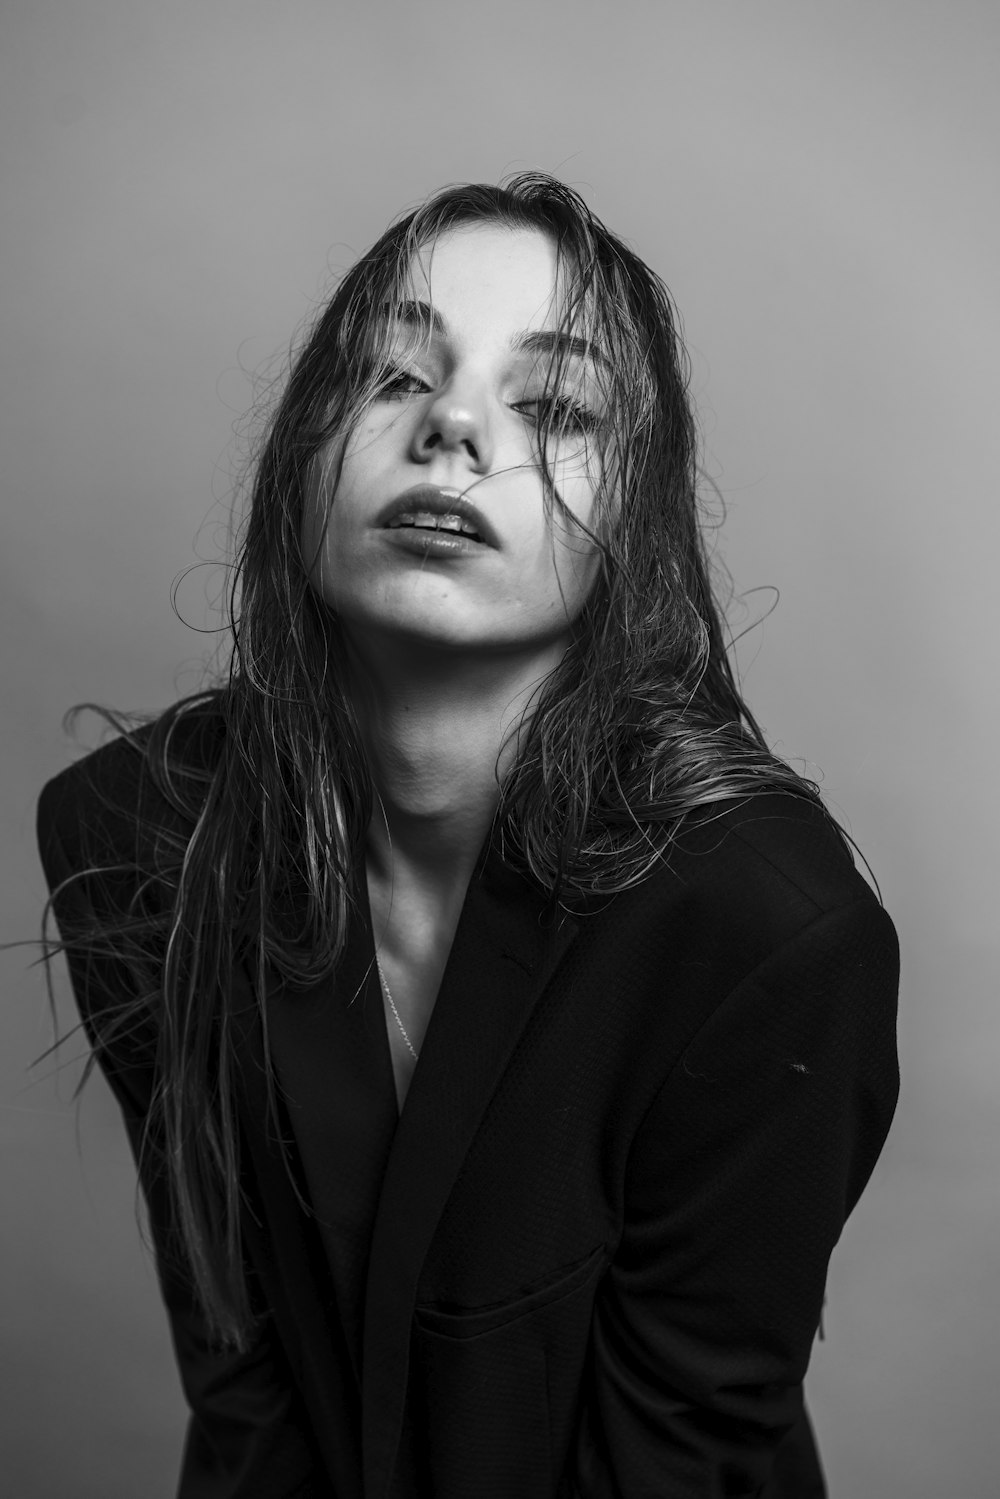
{"x": 790, "y": 844}
{"x": 769, "y": 942}
{"x": 807, "y": 955}
{"x": 138, "y": 787}
{"x": 774, "y": 851}
{"x": 744, "y": 881}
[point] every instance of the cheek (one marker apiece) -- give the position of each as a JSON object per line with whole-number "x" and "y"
{"x": 317, "y": 532}
{"x": 578, "y": 558}
{"x": 375, "y": 438}
{"x": 576, "y": 467}
{"x": 570, "y": 560}
{"x": 577, "y": 490}
{"x": 580, "y": 476}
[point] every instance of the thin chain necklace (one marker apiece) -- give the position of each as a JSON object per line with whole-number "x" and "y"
{"x": 392, "y": 1006}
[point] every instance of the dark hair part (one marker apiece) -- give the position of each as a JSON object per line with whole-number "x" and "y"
{"x": 640, "y": 726}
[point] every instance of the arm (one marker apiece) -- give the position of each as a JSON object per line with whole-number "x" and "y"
{"x": 739, "y": 1182}
{"x": 247, "y": 1435}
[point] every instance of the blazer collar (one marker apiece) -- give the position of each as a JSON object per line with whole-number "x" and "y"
{"x": 378, "y": 1181}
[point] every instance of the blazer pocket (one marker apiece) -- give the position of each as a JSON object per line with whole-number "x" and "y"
{"x": 477, "y": 1321}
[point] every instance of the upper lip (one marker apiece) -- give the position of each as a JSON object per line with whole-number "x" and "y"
{"x": 437, "y": 501}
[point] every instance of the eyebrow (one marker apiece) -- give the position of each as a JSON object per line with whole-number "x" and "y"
{"x": 541, "y": 341}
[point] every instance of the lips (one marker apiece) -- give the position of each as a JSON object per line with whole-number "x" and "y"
{"x": 427, "y": 505}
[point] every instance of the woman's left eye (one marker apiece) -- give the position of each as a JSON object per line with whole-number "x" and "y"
{"x": 562, "y": 414}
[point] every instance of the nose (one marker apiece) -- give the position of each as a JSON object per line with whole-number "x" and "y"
{"x": 454, "y": 423}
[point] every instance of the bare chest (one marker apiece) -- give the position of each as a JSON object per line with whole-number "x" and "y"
{"x": 409, "y": 991}
{"x": 412, "y": 953}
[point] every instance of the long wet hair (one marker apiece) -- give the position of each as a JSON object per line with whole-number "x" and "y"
{"x": 264, "y": 786}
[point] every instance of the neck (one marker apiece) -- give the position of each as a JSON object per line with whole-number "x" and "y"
{"x": 441, "y": 732}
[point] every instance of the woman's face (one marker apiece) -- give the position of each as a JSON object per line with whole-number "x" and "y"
{"x": 472, "y": 350}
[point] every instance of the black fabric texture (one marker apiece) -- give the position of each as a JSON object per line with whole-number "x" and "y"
{"x": 588, "y": 1260}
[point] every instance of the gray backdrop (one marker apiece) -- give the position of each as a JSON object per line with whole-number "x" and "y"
{"x": 818, "y": 185}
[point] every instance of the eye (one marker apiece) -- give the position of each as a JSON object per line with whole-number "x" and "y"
{"x": 560, "y": 413}
{"x": 399, "y": 383}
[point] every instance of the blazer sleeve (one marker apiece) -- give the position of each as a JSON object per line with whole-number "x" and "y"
{"x": 247, "y": 1436}
{"x": 739, "y": 1181}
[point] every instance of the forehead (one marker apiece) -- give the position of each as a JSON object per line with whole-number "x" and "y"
{"x": 490, "y": 275}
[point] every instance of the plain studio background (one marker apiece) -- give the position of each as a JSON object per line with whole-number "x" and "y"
{"x": 817, "y": 185}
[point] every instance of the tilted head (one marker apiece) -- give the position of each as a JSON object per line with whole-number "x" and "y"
{"x": 609, "y": 422}
{"x": 639, "y": 719}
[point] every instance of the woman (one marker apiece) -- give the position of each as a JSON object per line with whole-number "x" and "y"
{"x": 503, "y": 1033}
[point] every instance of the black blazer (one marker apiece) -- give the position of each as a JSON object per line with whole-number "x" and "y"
{"x": 588, "y": 1261}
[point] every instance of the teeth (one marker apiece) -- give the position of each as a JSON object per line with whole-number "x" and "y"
{"x": 435, "y": 522}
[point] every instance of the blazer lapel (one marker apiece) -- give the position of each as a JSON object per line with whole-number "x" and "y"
{"x": 331, "y": 1056}
{"x": 501, "y": 959}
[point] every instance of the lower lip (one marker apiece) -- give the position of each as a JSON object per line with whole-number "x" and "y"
{"x": 427, "y": 543}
